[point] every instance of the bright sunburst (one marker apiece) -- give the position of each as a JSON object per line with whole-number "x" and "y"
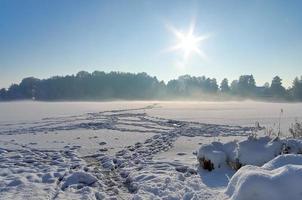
{"x": 188, "y": 42}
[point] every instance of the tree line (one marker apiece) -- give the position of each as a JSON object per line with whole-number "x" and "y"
{"x": 130, "y": 86}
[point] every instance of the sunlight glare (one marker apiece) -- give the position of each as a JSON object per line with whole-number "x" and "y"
{"x": 188, "y": 42}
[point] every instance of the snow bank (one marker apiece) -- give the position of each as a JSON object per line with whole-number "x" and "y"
{"x": 278, "y": 179}
{"x": 289, "y": 159}
{"x": 252, "y": 151}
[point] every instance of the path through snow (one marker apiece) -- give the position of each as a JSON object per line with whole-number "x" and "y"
{"x": 38, "y": 168}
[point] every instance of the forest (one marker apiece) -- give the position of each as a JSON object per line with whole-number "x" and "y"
{"x": 99, "y": 85}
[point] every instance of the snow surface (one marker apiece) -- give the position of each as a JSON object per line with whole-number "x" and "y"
{"x": 79, "y": 178}
{"x": 243, "y": 113}
{"x": 281, "y": 160}
{"x": 121, "y": 150}
{"x": 265, "y": 173}
{"x": 278, "y": 179}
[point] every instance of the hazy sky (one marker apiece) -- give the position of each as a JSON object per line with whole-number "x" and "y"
{"x": 43, "y": 38}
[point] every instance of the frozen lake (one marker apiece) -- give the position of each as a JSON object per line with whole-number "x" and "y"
{"x": 243, "y": 113}
{"x": 122, "y": 149}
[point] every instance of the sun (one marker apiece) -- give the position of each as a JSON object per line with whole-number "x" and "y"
{"x": 188, "y": 42}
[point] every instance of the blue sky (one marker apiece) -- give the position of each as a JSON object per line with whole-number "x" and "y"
{"x": 43, "y": 38}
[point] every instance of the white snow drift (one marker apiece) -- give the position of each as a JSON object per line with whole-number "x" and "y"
{"x": 265, "y": 173}
{"x": 278, "y": 179}
{"x": 252, "y": 151}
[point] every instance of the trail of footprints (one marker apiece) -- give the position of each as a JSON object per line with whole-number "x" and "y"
{"x": 113, "y": 172}
{"x": 118, "y": 168}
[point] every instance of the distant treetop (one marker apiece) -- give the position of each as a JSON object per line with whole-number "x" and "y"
{"x": 99, "y": 85}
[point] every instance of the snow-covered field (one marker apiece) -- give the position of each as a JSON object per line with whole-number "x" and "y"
{"x": 123, "y": 150}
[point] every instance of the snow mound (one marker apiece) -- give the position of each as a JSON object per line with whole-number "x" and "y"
{"x": 288, "y": 159}
{"x": 278, "y": 179}
{"x": 79, "y": 178}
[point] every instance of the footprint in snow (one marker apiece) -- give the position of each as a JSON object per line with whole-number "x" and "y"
{"x": 102, "y": 143}
{"x": 103, "y": 149}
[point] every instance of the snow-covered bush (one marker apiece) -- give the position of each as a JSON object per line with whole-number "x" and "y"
{"x": 293, "y": 146}
{"x": 296, "y": 129}
{"x": 252, "y": 151}
{"x": 216, "y": 155}
{"x": 278, "y": 179}
{"x": 257, "y": 151}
